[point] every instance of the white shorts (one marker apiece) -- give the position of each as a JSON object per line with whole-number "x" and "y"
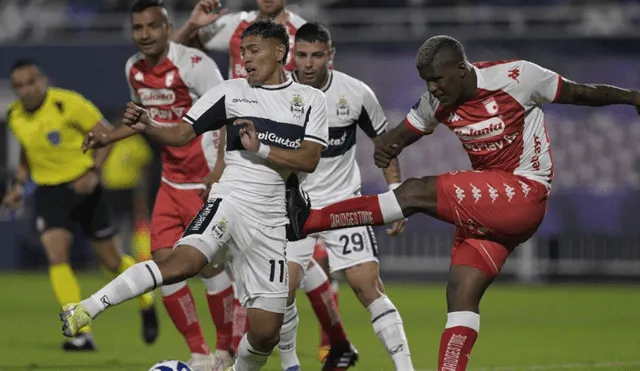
{"x": 345, "y": 247}
{"x": 256, "y": 252}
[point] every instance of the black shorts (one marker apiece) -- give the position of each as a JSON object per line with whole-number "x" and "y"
{"x": 60, "y": 206}
{"x": 121, "y": 202}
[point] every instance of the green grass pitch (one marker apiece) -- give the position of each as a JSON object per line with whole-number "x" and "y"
{"x": 579, "y": 327}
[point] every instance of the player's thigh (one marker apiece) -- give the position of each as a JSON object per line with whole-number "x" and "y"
{"x": 349, "y": 247}
{"x": 487, "y": 256}
{"x": 166, "y": 223}
{"x": 491, "y": 204}
{"x": 54, "y": 221}
{"x": 260, "y": 266}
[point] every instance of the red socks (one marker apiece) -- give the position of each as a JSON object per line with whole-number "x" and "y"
{"x": 457, "y": 340}
{"x": 240, "y": 324}
{"x": 363, "y": 210}
{"x": 182, "y": 311}
{"x": 221, "y": 308}
{"x": 326, "y": 310}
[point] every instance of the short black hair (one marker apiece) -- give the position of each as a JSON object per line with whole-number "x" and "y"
{"x": 24, "y": 63}
{"x": 142, "y": 5}
{"x": 430, "y": 49}
{"x": 312, "y": 32}
{"x": 268, "y": 29}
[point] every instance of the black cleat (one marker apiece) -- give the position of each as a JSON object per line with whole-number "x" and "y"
{"x": 340, "y": 357}
{"x": 149, "y": 324}
{"x": 298, "y": 208}
{"x": 80, "y": 343}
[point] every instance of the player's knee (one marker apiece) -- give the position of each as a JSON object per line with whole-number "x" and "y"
{"x": 417, "y": 195}
{"x": 465, "y": 288}
{"x": 183, "y": 263}
{"x": 295, "y": 277}
{"x": 265, "y": 336}
{"x": 161, "y": 254}
{"x": 365, "y": 283}
{"x": 210, "y": 271}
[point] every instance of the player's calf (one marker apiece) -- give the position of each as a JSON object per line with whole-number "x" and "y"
{"x": 263, "y": 335}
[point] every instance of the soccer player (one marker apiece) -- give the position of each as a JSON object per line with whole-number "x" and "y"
{"x": 245, "y": 217}
{"x": 495, "y": 109}
{"x": 49, "y": 124}
{"x": 166, "y": 79}
{"x": 352, "y": 252}
{"x": 215, "y": 31}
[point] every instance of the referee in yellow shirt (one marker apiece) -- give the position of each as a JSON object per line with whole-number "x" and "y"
{"x": 50, "y": 124}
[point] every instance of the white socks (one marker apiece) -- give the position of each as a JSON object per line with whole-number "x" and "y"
{"x": 314, "y": 277}
{"x": 135, "y": 281}
{"x": 387, "y": 325}
{"x": 287, "y": 345}
{"x": 390, "y": 208}
{"x": 463, "y": 319}
{"x": 249, "y": 359}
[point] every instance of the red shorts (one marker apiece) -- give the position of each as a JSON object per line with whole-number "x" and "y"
{"x": 493, "y": 211}
{"x": 172, "y": 212}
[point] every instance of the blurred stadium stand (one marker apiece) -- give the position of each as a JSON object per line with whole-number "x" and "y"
{"x": 591, "y": 228}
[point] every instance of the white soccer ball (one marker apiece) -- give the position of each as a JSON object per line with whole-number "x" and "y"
{"x": 171, "y": 365}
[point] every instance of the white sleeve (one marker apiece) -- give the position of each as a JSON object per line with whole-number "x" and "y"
{"x": 317, "y": 126}
{"x": 133, "y": 94}
{"x": 205, "y": 75}
{"x": 209, "y": 112}
{"x": 216, "y": 36}
{"x": 421, "y": 118}
{"x": 372, "y": 119}
{"x": 543, "y": 85}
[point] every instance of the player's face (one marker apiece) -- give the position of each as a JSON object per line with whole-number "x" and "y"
{"x": 150, "y": 30}
{"x": 271, "y": 7}
{"x": 444, "y": 81}
{"x": 261, "y": 58}
{"x": 312, "y": 62}
{"x": 30, "y": 85}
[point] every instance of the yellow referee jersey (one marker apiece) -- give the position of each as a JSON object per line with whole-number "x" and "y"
{"x": 126, "y": 161}
{"x": 52, "y": 135}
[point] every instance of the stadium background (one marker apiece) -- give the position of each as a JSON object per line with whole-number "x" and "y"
{"x": 576, "y": 280}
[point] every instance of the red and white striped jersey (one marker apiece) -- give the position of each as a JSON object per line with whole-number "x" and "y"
{"x": 502, "y": 127}
{"x": 226, "y": 32}
{"x": 168, "y": 90}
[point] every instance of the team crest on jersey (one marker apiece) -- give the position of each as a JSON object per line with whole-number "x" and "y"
{"x": 342, "y": 109}
{"x": 297, "y": 106}
{"x": 54, "y": 137}
{"x": 168, "y": 81}
{"x": 139, "y": 76}
{"x": 491, "y": 106}
{"x": 219, "y": 229}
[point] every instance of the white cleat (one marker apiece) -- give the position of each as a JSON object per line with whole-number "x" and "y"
{"x": 221, "y": 360}
{"x": 201, "y": 362}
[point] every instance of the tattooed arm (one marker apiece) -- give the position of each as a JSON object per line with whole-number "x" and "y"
{"x": 596, "y": 95}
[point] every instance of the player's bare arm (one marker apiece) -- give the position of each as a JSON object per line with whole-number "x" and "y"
{"x": 101, "y": 129}
{"x": 218, "y": 168}
{"x": 205, "y": 13}
{"x": 99, "y": 139}
{"x": 596, "y": 95}
{"x": 305, "y": 158}
{"x": 176, "y": 135}
{"x": 390, "y": 144}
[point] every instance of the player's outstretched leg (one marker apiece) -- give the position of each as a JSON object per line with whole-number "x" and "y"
{"x": 365, "y": 281}
{"x": 220, "y": 298}
{"x": 112, "y": 258}
{"x": 184, "y": 262}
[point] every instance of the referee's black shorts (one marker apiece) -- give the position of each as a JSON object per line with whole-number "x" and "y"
{"x": 59, "y": 206}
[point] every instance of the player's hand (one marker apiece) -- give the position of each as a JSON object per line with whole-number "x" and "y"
{"x": 86, "y": 183}
{"x": 208, "y": 182}
{"x": 384, "y": 152}
{"x": 136, "y": 117}
{"x": 206, "y": 12}
{"x": 95, "y": 141}
{"x": 248, "y": 135}
{"x": 13, "y": 197}
{"x": 397, "y": 228}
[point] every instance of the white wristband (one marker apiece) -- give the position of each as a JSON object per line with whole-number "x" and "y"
{"x": 393, "y": 186}
{"x": 263, "y": 151}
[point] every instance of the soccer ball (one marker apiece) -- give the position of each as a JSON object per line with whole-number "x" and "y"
{"x": 171, "y": 366}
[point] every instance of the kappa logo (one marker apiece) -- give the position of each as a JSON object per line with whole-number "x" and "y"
{"x": 195, "y": 59}
{"x": 297, "y": 106}
{"x": 514, "y": 73}
{"x": 342, "y": 108}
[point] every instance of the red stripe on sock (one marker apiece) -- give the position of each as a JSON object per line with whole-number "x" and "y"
{"x": 182, "y": 311}
{"x": 357, "y": 211}
{"x": 455, "y": 348}
{"x": 221, "y": 308}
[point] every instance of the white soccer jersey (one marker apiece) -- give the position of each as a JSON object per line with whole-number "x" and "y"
{"x": 502, "y": 127}
{"x": 284, "y": 116}
{"x": 351, "y": 104}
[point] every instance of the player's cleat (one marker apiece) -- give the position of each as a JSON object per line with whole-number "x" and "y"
{"x": 298, "y": 208}
{"x": 149, "y": 324}
{"x": 221, "y": 360}
{"x": 201, "y": 362}
{"x": 323, "y": 352}
{"x": 340, "y": 357}
{"x": 80, "y": 343}
{"x": 74, "y": 317}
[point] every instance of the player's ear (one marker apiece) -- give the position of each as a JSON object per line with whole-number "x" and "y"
{"x": 462, "y": 69}
{"x": 332, "y": 54}
{"x": 170, "y": 28}
{"x": 280, "y": 55}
